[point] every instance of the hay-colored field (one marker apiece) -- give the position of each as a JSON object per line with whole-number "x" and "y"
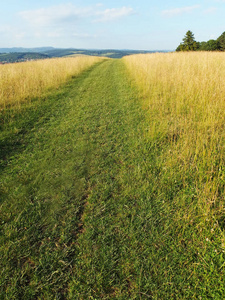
{"x": 22, "y": 81}
{"x": 184, "y": 94}
{"x": 109, "y": 191}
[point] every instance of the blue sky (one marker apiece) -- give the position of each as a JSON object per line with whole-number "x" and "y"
{"x": 110, "y": 24}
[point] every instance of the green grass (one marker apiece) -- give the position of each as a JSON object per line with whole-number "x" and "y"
{"x": 88, "y": 209}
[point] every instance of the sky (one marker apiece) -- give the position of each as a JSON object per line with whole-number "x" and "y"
{"x": 110, "y": 24}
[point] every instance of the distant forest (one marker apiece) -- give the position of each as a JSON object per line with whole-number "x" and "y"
{"x": 189, "y": 43}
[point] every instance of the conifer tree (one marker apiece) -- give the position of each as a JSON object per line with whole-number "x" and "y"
{"x": 189, "y": 43}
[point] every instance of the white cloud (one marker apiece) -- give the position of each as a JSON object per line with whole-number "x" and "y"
{"x": 64, "y": 24}
{"x": 210, "y": 10}
{"x": 54, "y": 14}
{"x": 14, "y": 32}
{"x": 114, "y": 14}
{"x": 68, "y": 13}
{"x": 179, "y": 11}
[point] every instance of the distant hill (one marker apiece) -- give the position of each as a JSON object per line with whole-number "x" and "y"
{"x": 9, "y": 55}
{"x": 22, "y": 50}
{"x": 106, "y": 53}
{"x": 21, "y": 56}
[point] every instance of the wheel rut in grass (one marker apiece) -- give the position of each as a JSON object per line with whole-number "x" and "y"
{"x": 66, "y": 174}
{"x": 118, "y": 185}
{"x": 80, "y": 216}
{"x": 89, "y": 208}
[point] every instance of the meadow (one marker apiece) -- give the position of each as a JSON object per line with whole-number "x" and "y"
{"x": 24, "y": 81}
{"x": 112, "y": 178}
{"x": 184, "y": 95}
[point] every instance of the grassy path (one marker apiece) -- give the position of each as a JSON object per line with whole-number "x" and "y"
{"x": 82, "y": 211}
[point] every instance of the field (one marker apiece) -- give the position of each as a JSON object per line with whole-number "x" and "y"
{"x": 184, "y": 97}
{"x": 21, "y": 82}
{"x": 112, "y": 180}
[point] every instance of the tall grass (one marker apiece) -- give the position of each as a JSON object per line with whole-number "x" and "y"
{"x": 184, "y": 94}
{"x": 22, "y": 81}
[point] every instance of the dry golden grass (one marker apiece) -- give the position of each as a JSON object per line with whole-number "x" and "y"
{"x": 22, "y": 81}
{"x": 184, "y": 94}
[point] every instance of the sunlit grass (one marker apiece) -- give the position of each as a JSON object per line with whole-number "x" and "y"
{"x": 22, "y": 81}
{"x": 113, "y": 192}
{"x": 184, "y": 94}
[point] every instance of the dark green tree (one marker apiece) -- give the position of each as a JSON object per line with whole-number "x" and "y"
{"x": 221, "y": 41}
{"x": 202, "y": 46}
{"x": 189, "y": 43}
{"x": 211, "y": 45}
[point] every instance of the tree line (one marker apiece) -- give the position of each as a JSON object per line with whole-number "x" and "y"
{"x": 189, "y": 43}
